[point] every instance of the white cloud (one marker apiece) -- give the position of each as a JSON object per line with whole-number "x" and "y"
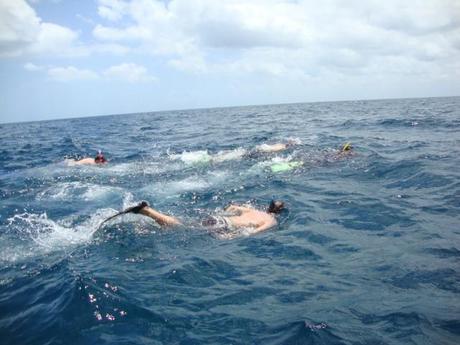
{"x": 111, "y": 9}
{"x": 19, "y": 27}
{"x": 296, "y": 36}
{"x": 57, "y": 40}
{"x": 194, "y": 63}
{"x": 113, "y": 34}
{"x": 295, "y": 39}
{"x": 23, "y": 33}
{"x": 32, "y": 67}
{"x": 71, "y": 73}
{"x": 125, "y": 72}
{"x": 109, "y": 48}
{"x": 128, "y": 72}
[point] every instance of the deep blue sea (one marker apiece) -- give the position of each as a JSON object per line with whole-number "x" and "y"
{"x": 368, "y": 251}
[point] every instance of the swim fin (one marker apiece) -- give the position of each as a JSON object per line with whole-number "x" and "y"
{"x": 133, "y": 209}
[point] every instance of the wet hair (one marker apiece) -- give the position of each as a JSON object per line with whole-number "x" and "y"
{"x": 100, "y": 158}
{"x": 275, "y": 206}
{"x": 291, "y": 142}
{"x": 209, "y": 221}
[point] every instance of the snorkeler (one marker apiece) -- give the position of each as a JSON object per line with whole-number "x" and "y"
{"x": 99, "y": 159}
{"x": 270, "y": 148}
{"x": 346, "y": 149}
{"x": 264, "y": 149}
{"x": 241, "y": 217}
{"x": 283, "y": 166}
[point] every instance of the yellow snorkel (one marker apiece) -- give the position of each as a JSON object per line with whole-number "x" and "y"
{"x": 346, "y": 147}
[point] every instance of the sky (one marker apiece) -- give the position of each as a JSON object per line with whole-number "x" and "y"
{"x": 65, "y": 58}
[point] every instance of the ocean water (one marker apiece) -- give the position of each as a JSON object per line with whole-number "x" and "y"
{"x": 368, "y": 251}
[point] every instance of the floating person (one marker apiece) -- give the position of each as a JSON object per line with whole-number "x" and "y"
{"x": 203, "y": 157}
{"x": 277, "y": 147}
{"x": 347, "y": 147}
{"x": 346, "y": 150}
{"x": 334, "y": 155}
{"x": 237, "y": 220}
{"x": 269, "y": 148}
{"x": 99, "y": 159}
{"x": 283, "y": 166}
{"x": 264, "y": 149}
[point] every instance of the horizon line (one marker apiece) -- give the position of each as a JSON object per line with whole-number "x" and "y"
{"x": 228, "y": 106}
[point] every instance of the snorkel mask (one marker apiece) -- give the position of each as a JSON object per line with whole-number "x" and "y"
{"x": 275, "y": 206}
{"x": 100, "y": 158}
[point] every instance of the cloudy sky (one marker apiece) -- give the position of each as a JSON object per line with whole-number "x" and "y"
{"x": 63, "y": 58}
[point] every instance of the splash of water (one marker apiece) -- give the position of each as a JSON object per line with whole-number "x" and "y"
{"x": 41, "y": 235}
{"x": 228, "y": 155}
{"x": 192, "y": 157}
{"x": 77, "y": 190}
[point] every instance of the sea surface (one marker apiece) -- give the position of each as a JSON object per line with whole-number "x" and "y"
{"x": 368, "y": 251}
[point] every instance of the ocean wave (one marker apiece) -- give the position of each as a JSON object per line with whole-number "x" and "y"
{"x": 41, "y": 235}
{"x": 366, "y": 252}
{"x": 191, "y": 183}
{"x": 229, "y": 155}
{"x": 73, "y": 191}
{"x": 192, "y": 157}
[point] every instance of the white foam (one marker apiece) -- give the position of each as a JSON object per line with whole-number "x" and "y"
{"x": 138, "y": 168}
{"x": 192, "y": 157}
{"x": 228, "y": 155}
{"x": 294, "y": 141}
{"x": 128, "y": 200}
{"x": 122, "y": 168}
{"x": 189, "y": 184}
{"x": 203, "y": 156}
{"x": 236, "y": 233}
{"x": 110, "y": 169}
{"x": 78, "y": 191}
{"x": 192, "y": 183}
{"x": 48, "y": 235}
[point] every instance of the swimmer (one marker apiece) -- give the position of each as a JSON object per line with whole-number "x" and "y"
{"x": 242, "y": 217}
{"x": 270, "y": 148}
{"x": 346, "y": 149}
{"x": 99, "y": 159}
{"x": 334, "y": 155}
{"x": 264, "y": 149}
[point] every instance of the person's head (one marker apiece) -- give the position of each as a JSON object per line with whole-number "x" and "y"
{"x": 292, "y": 142}
{"x": 275, "y": 206}
{"x": 100, "y": 159}
{"x": 346, "y": 147}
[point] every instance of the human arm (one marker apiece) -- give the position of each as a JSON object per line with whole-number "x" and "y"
{"x": 83, "y": 161}
{"x": 272, "y": 147}
{"x": 160, "y": 218}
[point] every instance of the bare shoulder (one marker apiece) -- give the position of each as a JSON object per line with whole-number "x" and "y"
{"x": 85, "y": 161}
{"x": 272, "y": 147}
{"x": 239, "y": 208}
